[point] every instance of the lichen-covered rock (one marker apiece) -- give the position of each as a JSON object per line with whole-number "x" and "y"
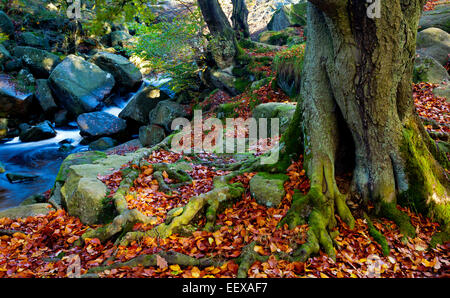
{"x": 439, "y": 17}
{"x": 427, "y": 69}
{"x": 268, "y": 189}
{"x": 40, "y": 62}
{"x": 79, "y": 85}
{"x": 434, "y": 42}
{"x": 78, "y": 158}
{"x": 140, "y": 105}
{"x": 125, "y": 73}
{"x": 26, "y": 211}
{"x": 99, "y": 124}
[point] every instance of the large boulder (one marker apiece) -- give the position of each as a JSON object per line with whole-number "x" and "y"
{"x": 288, "y": 15}
{"x": 283, "y": 111}
{"x": 141, "y": 104}
{"x": 80, "y": 85}
{"x": 151, "y": 135}
{"x": 40, "y": 62}
{"x": 165, "y": 112}
{"x": 84, "y": 194}
{"x": 439, "y": 17}
{"x": 6, "y": 25}
{"x": 268, "y": 189}
{"x": 125, "y": 73}
{"x": 41, "y": 131}
{"x": 14, "y": 101}
{"x": 26, "y": 211}
{"x": 427, "y": 69}
{"x": 100, "y": 124}
{"x": 117, "y": 38}
{"x": 434, "y": 42}
{"x": 44, "y": 95}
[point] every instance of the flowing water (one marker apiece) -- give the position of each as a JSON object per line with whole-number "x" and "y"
{"x": 43, "y": 158}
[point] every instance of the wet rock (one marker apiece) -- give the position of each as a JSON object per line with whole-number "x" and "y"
{"x": 13, "y": 65}
{"x": 151, "y": 135}
{"x": 14, "y": 101}
{"x": 42, "y": 131}
{"x": 26, "y": 211}
{"x": 79, "y": 85}
{"x": 99, "y": 124}
{"x": 18, "y": 178}
{"x": 125, "y": 73}
{"x": 61, "y": 118}
{"x": 40, "y": 62}
{"x": 4, "y": 54}
{"x": 137, "y": 110}
{"x": 268, "y": 189}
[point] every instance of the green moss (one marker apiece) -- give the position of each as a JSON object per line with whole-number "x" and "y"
{"x": 241, "y": 84}
{"x": 401, "y": 219}
{"x": 377, "y": 236}
{"x": 109, "y": 211}
{"x": 227, "y": 110}
{"x": 269, "y": 176}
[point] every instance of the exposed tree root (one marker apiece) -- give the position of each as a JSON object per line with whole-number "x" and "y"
{"x": 212, "y": 201}
{"x": 377, "y": 235}
{"x": 170, "y": 257}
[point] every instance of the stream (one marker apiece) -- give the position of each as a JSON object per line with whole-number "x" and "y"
{"x": 43, "y": 158}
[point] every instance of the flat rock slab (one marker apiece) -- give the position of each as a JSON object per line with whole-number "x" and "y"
{"x": 26, "y": 211}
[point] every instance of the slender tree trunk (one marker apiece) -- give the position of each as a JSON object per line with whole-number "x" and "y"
{"x": 239, "y": 18}
{"x": 223, "y": 44}
{"x": 356, "y": 82}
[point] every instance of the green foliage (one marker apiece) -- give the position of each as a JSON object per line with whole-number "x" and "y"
{"x": 172, "y": 47}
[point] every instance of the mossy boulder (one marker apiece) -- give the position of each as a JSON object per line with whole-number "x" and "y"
{"x": 151, "y": 135}
{"x": 77, "y": 159}
{"x": 283, "y": 111}
{"x": 125, "y": 73}
{"x": 434, "y": 42}
{"x": 32, "y": 40}
{"x": 288, "y": 15}
{"x": 140, "y": 105}
{"x": 103, "y": 143}
{"x": 165, "y": 112}
{"x": 40, "y": 62}
{"x": 268, "y": 189}
{"x": 26, "y": 211}
{"x": 439, "y": 17}
{"x": 427, "y": 69}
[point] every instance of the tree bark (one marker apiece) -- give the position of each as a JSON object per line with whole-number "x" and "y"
{"x": 239, "y": 18}
{"x": 357, "y": 83}
{"x": 223, "y": 44}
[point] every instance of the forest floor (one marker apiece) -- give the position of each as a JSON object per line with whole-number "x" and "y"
{"x": 42, "y": 246}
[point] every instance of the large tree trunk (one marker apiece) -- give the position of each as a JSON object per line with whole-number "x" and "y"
{"x": 239, "y": 18}
{"x": 223, "y": 45}
{"x": 356, "y": 95}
